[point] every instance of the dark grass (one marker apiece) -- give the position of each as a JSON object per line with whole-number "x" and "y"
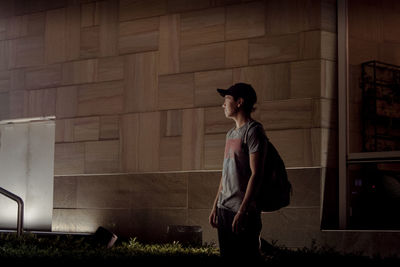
{"x": 68, "y": 250}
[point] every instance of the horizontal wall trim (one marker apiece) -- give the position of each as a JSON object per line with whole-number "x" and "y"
{"x": 162, "y": 172}
{"x": 360, "y": 231}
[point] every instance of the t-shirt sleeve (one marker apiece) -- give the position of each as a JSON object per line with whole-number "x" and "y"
{"x": 255, "y": 138}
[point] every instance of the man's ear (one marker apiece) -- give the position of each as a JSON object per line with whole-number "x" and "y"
{"x": 240, "y": 101}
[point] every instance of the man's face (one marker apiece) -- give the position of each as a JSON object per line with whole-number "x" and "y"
{"x": 230, "y": 106}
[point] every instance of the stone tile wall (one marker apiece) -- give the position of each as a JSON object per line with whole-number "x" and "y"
{"x": 139, "y": 126}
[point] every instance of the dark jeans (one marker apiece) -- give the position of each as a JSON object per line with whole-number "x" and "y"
{"x": 242, "y": 246}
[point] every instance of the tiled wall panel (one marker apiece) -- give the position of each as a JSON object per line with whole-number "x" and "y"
{"x": 133, "y": 87}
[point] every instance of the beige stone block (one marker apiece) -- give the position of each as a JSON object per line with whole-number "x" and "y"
{"x": 62, "y": 35}
{"x": 109, "y": 127}
{"x": 55, "y": 36}
{"x": 86, "y": 129}
{"x": 89, "y": 14}
{"x": 292, "y": 227}
{"x": 69, "y": 158}
{"x": 236, "y": 53}
{"x": 202, "y": 189}
{"x": 311, "y": 44}
{"x": 319, "y": 45}
{"x": 17, "y": 78}
{"x": 325, "y": 113}
{"x": 192, "y": 139}
{"x": 200, "y": 217}
{"x": 158, "y": 190}
{"x": 5, "y": 55}
{"x": 287, "y": 114}
{"x": 108, "y": 32}
{"x": 42, "y": 103}
{"x": 214, "y": 147}
{"x": 295, "y": 147}
{"x": 202, "y": 27}
{"x": 305, "y": 79}
{"x": 171, "y": 123}
{"x": 325, "y": 147}
{"x": 4, "y": 106}
{"x": 104, "y": 191}
{"x": 171, "y": 153}
{"x": 245, "y": 20}
{"x": 25, "y": 52}
{"x": 3, "y": 29}
{"x": 139, "y": 35}
{"x": 76, "y": 72}
{"x": 132, "y": 9}
{"x": 18, "y": 104}
{"x": 215, "y": 121}
{"x": 36, "y": 23}
{"x": 271, "y": 82}
{"x": 65, "y": 192}
{"x": 176, "y": 91}
{"x": 141, "y": 80}
{"x": 102, "y": 156}
{"x": 306, "y": 187}
{"x": 290, "y": 16}
{"x": 42, "y": 77}
{"x": 169, "y": 44}
{"x": 110, "y": 69}
{"x": 72, "y": 32}
{"x": 206, "y": 84}
{"x": 149, "y": 141}
{"x": 89, "y": 43}
{"x": 64, "y": 130}
{"x": 329, "y": 45}
{"x": 16, "y": 27}
{"x": 274, "y": 49}
{"x": 202, "y": 57}
{"x": 130, "y": 142}
{"x": 8, "y": 9}
{"x": 5, "y": 81}
{"x": 329, "y": 87}
{"x": 100, "y": 98}
{"x": 176, "y": 6}
{"x": 67, "y": 102}
{"x": 329, "y": 15}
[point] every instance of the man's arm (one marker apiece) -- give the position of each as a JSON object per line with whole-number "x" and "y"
{"x": 251, "y": 190}
{"x": 213, "y": 216}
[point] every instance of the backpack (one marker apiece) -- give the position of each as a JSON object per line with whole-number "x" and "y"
{"x": 275, "y": 189}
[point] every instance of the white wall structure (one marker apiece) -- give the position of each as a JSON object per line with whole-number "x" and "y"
{"x": 27, "y": 169}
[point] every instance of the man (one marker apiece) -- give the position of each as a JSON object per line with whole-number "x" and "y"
{"x": 235, "y": 213}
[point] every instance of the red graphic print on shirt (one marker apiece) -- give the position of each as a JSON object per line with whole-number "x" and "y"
{"x": 232, "y": 147}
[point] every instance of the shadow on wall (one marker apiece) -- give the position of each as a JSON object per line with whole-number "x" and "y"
{"x": 330, "y": 177}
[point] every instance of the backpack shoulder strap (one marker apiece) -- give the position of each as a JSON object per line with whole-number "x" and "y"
{"x": 247, "y": 131}
{"x": 253, "y": 122}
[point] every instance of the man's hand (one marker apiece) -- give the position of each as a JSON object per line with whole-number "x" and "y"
{"x": 213, "y": 218}
{"x": 238, "y": 222}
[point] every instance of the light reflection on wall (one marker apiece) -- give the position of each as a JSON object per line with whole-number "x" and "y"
{"x": 26, "y": 169}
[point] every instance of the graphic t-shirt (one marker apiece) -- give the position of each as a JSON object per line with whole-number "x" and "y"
{"x": 236, "y": 170}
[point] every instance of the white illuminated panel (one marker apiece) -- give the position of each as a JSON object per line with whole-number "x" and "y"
{"x": 27, "y": 170}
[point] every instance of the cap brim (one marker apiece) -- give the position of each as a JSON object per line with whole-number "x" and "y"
{"x": 222, "y": 92}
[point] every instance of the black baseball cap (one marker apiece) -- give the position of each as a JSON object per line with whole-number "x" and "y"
{"x": 244, "y": 90}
